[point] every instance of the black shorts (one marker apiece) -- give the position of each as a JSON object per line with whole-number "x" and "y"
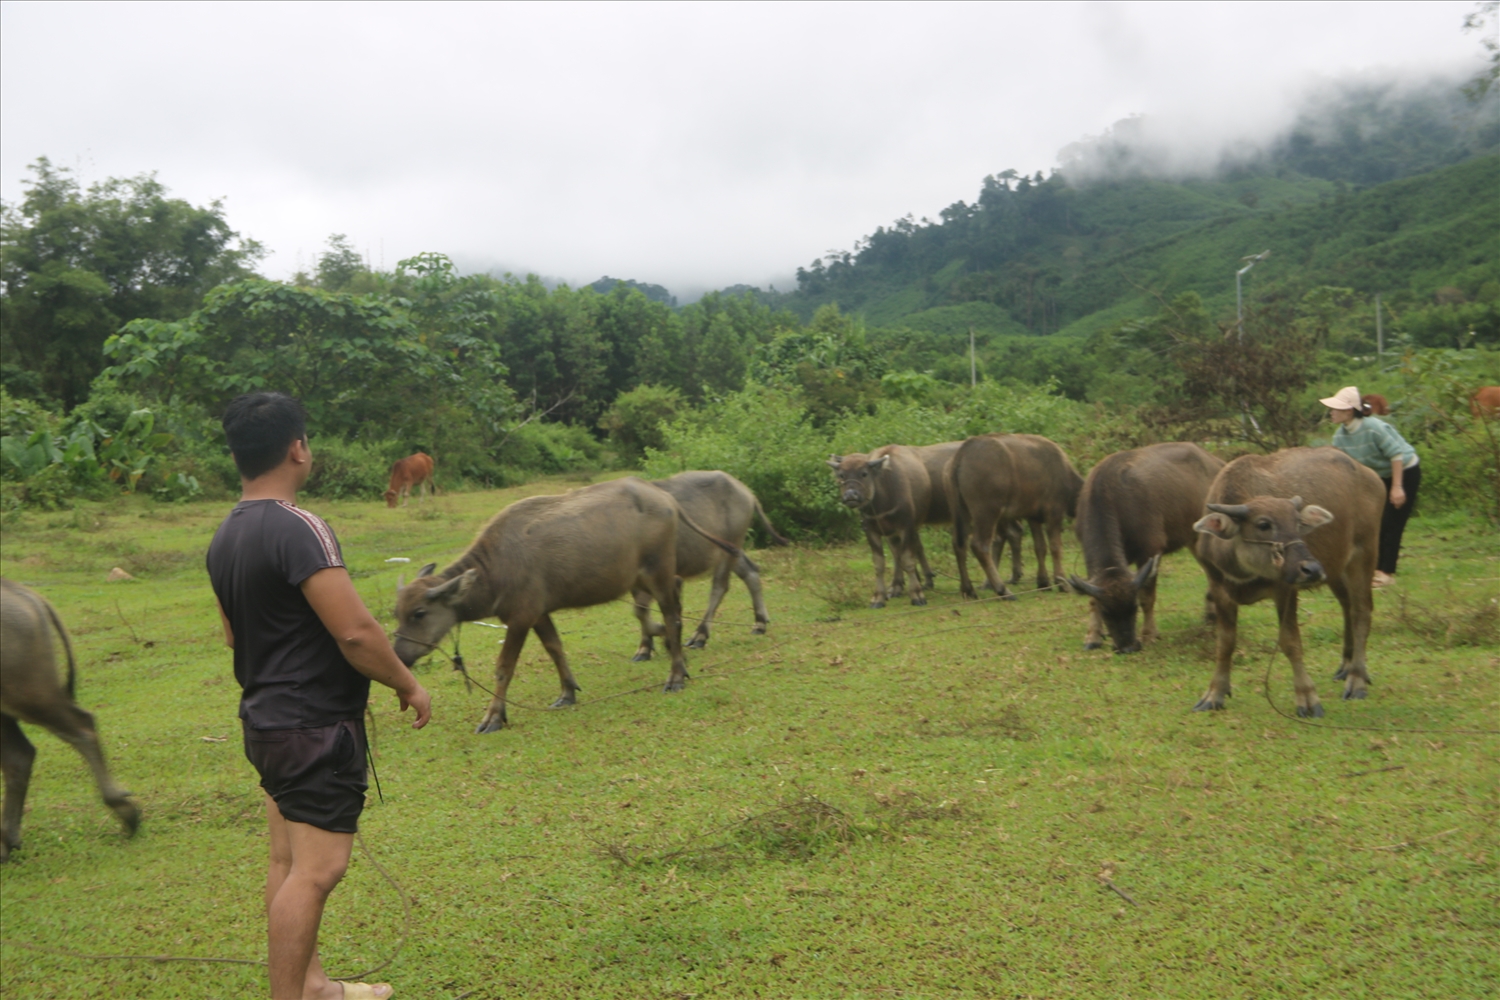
{"x": 316, "y": 775}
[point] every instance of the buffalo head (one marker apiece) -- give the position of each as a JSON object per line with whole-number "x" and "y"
{"x": 1115, "y": 592}
{"x": 426, "y": 609}
{"x": 1265, "y": 539}
{"x": 856, "y": 476}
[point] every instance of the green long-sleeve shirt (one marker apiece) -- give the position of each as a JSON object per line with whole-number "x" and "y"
{"x": 1374, "y": 443}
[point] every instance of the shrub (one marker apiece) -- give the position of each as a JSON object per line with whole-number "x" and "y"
{"x": 635, "y": 420}
{"x": 349, "y": 469}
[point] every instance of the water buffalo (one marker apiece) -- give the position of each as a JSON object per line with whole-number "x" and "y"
{"x": 1278, "y": 524}
{"x": 720, "y": 503}
{"x": 31, "y": 691}
{"x": 412, "y": 471}
{"x": 1136, "y": 506}
{"x": 541, "y": 554}
{"x": 999, "y": 478}
{"x": 891, "y": 490}
{"x": 1485, "y": 403}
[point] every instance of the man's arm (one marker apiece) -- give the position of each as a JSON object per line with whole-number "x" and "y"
{"x": 333, "y": 597}
{"x": 228, "y": 628}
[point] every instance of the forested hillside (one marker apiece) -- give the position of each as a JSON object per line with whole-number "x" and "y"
{"x": 1100, "y": 300}
{"x": 1374, "y": 189}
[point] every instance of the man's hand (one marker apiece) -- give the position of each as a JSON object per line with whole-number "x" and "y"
{"x": 421, "y": 701}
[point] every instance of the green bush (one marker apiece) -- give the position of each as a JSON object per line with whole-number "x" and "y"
{"x": 1461, "y": 472}
{"x": 634, "y": 422}
{"x": 354, "y": 470}
{"x": 548, "y": 448}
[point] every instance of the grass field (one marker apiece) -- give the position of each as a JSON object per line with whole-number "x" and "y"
{"x": 914, "y": 802}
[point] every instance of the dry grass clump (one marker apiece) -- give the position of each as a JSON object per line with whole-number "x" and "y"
{"x": 1477, "y": 624}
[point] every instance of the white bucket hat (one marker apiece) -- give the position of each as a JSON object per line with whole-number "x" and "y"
{"x": 1347, "y": 398}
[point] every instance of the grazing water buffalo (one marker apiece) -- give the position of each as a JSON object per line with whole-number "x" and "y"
{"x": 935, "y": 458}
{"x": 1278, "y": 524}
{"x": 541, "y": 554}
{"x": 998, "y": 478}
{"x": 721, "y": 504}
{"x": 412, "y": 471}
{"x": 31, "y": 691}
{"x": 1136, "y": 506}
{"x": 892, "y": 491}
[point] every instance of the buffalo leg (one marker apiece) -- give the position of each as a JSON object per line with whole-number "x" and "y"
{"x": 984, "y": 551}
{"x": 910, "y": 541}
{"x": 716, "y": 594}
{"x": 1289, "y": 639}
{"x": 1039, "y": 543}
{"x": 75, "y": 727}
{"x": 1012, "y": 537}
{"x": 16, "y": 755}
{"x": 1227, "y": 615}
{"x": 961, "y": 556}
{"x": 505, "y": 668}
{"x": 927, "y": 575}
{"x": 877, "y": 557}
{"x": 641, "y": 604}
{"x": 745, "y": 571}
{"x": 1358, "y": 604}
{"x": 667, "y": 589}
{"x": 552, "y": 643}
{"x": 1149, "y": 632}
{"x": 1095, "y": 637}
{"x": 1054, "y": 536}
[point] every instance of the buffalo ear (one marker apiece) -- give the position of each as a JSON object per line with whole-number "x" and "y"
{"x": 834, "y": 461}
{"x": 1218, "y": 524}
{"x": 426, "y": 570}
{"x": 876, "y": 464}
{"x": 1085, "y": 588}
{"x": 1311, "y": 517}
{"x": 1148, "y": 571}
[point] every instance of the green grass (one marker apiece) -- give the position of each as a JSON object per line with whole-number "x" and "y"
{"x": 907, "y": 802}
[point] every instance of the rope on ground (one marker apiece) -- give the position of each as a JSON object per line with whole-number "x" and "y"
{"x": 1266, "y": 688}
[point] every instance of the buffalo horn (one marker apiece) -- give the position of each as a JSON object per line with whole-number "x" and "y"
{"x": 1298, "y": 503}
{"x": 427, "y": 570}
{"x": 1147, "y": 571}
{"x": 834, "y": 461}
{"x": 1238, "y": 511}
{"x": 1084, "y": 587}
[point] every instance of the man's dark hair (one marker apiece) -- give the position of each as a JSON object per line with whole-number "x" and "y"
{"x": 260, "y": 427}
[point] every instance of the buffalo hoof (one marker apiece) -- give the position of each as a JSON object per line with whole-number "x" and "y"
{"x": 919, "y": 601}
{"x": 1310, "y": 712}
{"x": 1093, "y": 645}
{"x": 129, "y": 813}
{"x": 1357, "y": 695}
{"x": 967, "y": 593}
{"x": 697, "y": 642}
{"x": 490, "y": 726}
{"x": 1207, "y": 704}
{"x": 641, "y": 656}
{"x": 1008, "y": 596}
{"x": 899, "y": 590}
{"x": 1341, "y": 673}
{"x": 1127, "y": 650}
{"x": 564, "y": 701}
{"x": 672, "y": 687}
{"x": 877, "y": 604}
{"x": 760, "y": 628}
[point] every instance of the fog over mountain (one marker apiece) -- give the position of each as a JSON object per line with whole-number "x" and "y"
{"x": 691, "y": 146}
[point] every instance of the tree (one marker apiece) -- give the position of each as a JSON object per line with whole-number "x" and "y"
{"x": 338, "y": 265}
{"x": 78, "y": 264}
{"x": 1482, "y": 19}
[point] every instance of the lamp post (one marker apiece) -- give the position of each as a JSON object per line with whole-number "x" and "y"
{"x": 1239, "y": 291}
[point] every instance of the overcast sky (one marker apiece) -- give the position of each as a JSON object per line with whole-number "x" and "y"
{"x": 692, "y": 145}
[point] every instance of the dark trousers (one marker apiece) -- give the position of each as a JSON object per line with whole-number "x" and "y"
{"x": 1393, "y": 520}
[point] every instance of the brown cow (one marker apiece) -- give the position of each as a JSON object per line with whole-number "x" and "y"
{"x": 999, "y": 478}
{"x": 1136, "y": 506}
{"x": 412, "y": 471}
{"x": 31, "y": 691}
{"x": 1485, "y": 403}
{"x": 935, "y": 458}
{"x": 1252, "y": 546}
{"x": 719, "y": 503}
{"x": 892, "y": 492}
{"x": 542, "y": 554}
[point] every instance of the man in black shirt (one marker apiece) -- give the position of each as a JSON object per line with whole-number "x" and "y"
{"x": 305, "y": 650}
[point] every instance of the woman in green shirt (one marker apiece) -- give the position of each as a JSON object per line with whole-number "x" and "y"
{"x": 1372, "y": 442}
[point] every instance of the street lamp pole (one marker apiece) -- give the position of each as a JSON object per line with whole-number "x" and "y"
{"x": 1239, "y": 291}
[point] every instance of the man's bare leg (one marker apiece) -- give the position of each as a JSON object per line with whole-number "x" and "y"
{"x": 306, "y": 864}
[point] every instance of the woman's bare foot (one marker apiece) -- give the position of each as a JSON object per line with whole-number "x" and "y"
{"x": 1382, "y": 580}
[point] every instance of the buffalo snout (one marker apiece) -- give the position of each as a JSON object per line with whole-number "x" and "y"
{"x": 1306, "y": 573}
